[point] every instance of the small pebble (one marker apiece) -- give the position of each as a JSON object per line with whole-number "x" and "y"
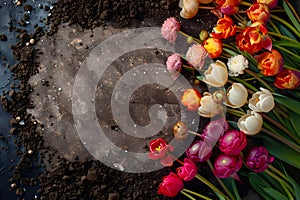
{"x": 31, "y": 41}
{"x": 13, "y": 185}
{"x": 30, "y": 151}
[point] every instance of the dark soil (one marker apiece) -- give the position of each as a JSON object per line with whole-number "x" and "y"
{"x": 83, "y": 178}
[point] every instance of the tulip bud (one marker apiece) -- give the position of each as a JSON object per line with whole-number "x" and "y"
{"x": 251, "y": 123}
{"x": 203, "y": 35}
{"x": 287, "y": 79}
{"x": 189, "y": 8}
{"x": 180, "y": 130}
{"x": 233, "y": 142}
{"x": 237, "y": 95}
{"x": 258, "y": 159}
{"x": 262, "y": 101}
{"x": 259, "y": 11}
{"x": 214, "y": 130}
{"x": 216, "y": 75}
{"x": 213, "y": 46}
{"x": 270, "y": 63}
{"x": 219, "y": 96}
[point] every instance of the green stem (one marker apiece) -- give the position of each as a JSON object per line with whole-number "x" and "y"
{"x": 186, "y": 35}
{"x": 277, "y": 172}
{"x": 265, "y": 84}
{"x": 209, "y": 184}
{"x": 275, "y": 28}
{"x": 286, "y": 24}
{"x": 278, "y": 125}
{"x": 235, "y": 112}
{"x": 245, "y": 3}
{"x": 287, "y": 51}
{"x": 289, "y": 67}
{"x": 282, "y": 139}
{"x": 187, "y": 195}
{"x": 196, "y": 194}
{"x": 221, "y": 182}
{"x": 278, "y": 116}
{"x": 287, "y": 188}
{"x": 281, "y": 36}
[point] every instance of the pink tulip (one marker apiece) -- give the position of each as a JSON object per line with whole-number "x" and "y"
{"x": 233, "y": 142}
{"x": 214, "y": 130}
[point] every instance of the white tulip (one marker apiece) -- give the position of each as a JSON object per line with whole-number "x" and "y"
{"x": 262, "y": 101}
{"x": 250, "y": 123}
{"x": 189, "y": 8}
{"x": 216, "y": 75}
{"x": 237, "y": 95}
{"x": 208, "y": 107}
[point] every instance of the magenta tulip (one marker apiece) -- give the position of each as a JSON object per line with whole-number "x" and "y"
{"x": 226, "y": 166}
{"x": 214, "y": 130}
{"x": 199, "y": 151}
{"x": 233, "y": 142}
{"x": 258, "y": 159}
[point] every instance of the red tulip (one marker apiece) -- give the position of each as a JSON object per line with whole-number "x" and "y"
{"x": 254, "y": 38}
{"x": 258, "y": 159}
{"x": 227, "y": 165}
{"x": 233, "y": 142}
{"x": 271, "y": 3}
{"x": 270, "y": 63}
{"x": 191, "y": 99}
{"x": 259, "y": 11}
{"x": 159, "y": 149}
{"x": 171, "y": 185}
{"x": 213, "y": 46}
{"x": 188, "y": 171}
{"x": 199, "y": 151}
{"x": 287, "y": 79}
{"x": 224, "y": 28}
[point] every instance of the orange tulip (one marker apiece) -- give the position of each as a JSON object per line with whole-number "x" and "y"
{"x": 213, "y": 46}
{"x": 254, "y": 38}
{"x": 259, "y": 11}
{"x": 228, "y": 7}
{"x": 224, "y": 28}
{"x": 271, "y": 3}
{"x": 191, "y": 99}
{"x": 270, "y": 63}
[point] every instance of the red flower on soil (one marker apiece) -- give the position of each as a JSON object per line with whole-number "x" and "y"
{"x": 188, "y": 171}
{"x": 254, "y": 38}
{"x": 224, "y": 28}
{"x": 171, "y": 185}
{"x": 287, "y": 79}
{"x": 270, "y": 63}
{"x": 159, "y": 149}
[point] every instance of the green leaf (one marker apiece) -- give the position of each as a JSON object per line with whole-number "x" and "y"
{"x": 200, "y": 78}
{"x": 236, "y": 192}
{"x": 290, "y": 15}
{"x": 258, "y": 184}
{"x": 284, "y": 31}
{"x": 295, "y": 185}
{"x": 295, "y": 119}
{"x": 287, "y": 43}
{"x": 275, "y": 194}
{"x": 219, "y": 195}
{"x": 287, "y": 102}
{"x": 233, "y": 53}
{"x": 280, "y": 151}
{"x": 275, "y": 184}
{"x": 233, "y": 124}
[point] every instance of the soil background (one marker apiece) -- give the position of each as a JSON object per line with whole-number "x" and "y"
{"x": 71, "y": 173}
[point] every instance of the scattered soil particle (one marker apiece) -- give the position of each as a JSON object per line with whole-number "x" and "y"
{"x": 3, "y": 37}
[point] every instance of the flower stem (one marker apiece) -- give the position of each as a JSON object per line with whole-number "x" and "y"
{"x": 235, "y": 112}
{"x": 245, "y": 83}
{"x": 206, "y": 7}
{"x": 186, "y": 35}
{"x": 286, "y": 24}
{"x": 196, "y": 194}
{"x": 221, "y": 182}
{"x": 187, "y": 195}
{"x": 194, "y": 133}
{"x": 248, "y": 71}
{"x": 245, "y": 3}
{"x": 287, "y": 188}
{"x": 209, "y": 184}
{"x": 293, "y": 10}
{"x": 271, "y": 167}
{"x": 278, "y": 125}
{"x": 281, "y": 36}
{"x": 282, "y": 139}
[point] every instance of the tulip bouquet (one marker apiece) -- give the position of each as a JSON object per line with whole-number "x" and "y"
{"x": 251, "y": 98}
